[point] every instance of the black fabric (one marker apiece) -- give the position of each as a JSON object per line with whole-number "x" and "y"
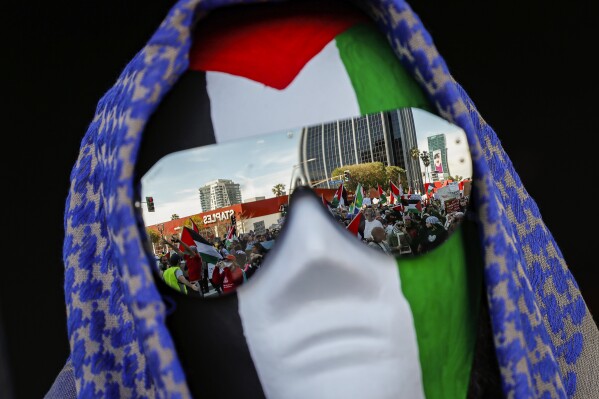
{"x": 207, "y": 333}
{"x": 182, "y": 121}
{"x": 211, "y": 346}
{"x": 485, "y": 379}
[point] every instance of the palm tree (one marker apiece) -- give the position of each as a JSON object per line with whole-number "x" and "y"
{"x": 278, "y": 189}
{"x": 415, "y": 153}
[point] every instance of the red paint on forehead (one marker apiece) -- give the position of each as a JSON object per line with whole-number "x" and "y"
{"x": 271, "y": 43}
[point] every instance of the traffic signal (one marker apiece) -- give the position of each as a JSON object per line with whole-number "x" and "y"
{"x": 346, "y": 175}
{"x": 283, "y": 209}
{"x": 150, "y": 203}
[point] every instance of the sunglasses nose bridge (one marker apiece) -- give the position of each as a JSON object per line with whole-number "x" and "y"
{"x": 298, "y": 178}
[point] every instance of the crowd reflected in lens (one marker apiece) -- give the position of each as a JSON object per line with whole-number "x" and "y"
{"x": 398, "y": 181}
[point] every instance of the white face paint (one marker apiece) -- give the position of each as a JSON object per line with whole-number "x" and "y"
{"x": 325, "y": 316}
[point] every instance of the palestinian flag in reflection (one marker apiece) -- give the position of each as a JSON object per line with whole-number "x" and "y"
{"x": 250, "y": 74}
{"x": 340, "y": 197}
{"x": 208, "y": 253}
{"x": 412, "y": 203}
{"x": 382, "y": 196}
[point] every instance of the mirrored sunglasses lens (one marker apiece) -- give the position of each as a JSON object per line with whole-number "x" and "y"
{"x": 398, "y": 181}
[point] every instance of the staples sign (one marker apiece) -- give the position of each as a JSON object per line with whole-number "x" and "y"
{"x": 218, "y": 216}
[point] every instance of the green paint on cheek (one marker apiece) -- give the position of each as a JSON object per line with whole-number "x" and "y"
{"x": 379, "y": 80}
{"x": 444, "y": 296}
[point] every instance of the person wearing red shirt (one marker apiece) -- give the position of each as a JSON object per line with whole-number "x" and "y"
{"x": 228, "y": 274}
{"x": 193, "y": 263}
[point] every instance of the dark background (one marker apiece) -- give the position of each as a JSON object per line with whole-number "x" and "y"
{"x": 527, "y": 66}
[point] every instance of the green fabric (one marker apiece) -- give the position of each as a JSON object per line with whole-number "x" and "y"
{"x": 171, "y": 279}
{"x": 442, "y": 294}
{"x": 379, "y": 80}
{"x": 444, "y": 297}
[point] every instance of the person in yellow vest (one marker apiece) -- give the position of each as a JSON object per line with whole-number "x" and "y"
{"x": 174, "y": 277}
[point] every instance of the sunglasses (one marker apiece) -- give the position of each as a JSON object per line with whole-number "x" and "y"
{"x": 233, "y": 199}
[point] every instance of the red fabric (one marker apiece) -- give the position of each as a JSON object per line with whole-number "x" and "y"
{"x": 398, "y": 208}
{"x": 194, "y": 267}
{"x": 194, "y": 227}
{"x": 268, "y": 45}
{"x": 229, "y": 279}
{"x": 354, "y": 225}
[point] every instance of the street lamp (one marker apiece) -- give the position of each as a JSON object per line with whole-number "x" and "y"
{"x": 424, "y": 156}
{"x": 297, "y": 176}
{"x": 426, "y": 160}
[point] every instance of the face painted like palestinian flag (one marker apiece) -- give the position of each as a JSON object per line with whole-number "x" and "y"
{"x": 254, "y": 76}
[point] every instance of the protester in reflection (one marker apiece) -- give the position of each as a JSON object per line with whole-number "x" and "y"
{"x": 463, "y": 204}
{"x": 193, "y": 263}
{"x": 413, "y": 231}
{"x": 175, "y": 278}
{"x": 370, "y": 223}
{"x": 433, "y": 235}
{"x": 255, "y": 259}
{"x": 453, "y": 221}
{"x": 221, "y": 249}
{"x": 378, "y": 240}
{"x": 387, "y": 226}
{"x": 163, "y": 263}
{"x": 399, "y": 238}
{"x": 228, "y": 274}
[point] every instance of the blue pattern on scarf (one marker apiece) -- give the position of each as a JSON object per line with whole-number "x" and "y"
{"x": 120, "y": 346}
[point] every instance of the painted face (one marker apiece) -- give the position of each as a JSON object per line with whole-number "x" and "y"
{"x": 280, "y": 129}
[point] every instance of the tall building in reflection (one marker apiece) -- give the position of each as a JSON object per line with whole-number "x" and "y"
{"x": 218, "y": 194}
{"x": 385, "y": 137}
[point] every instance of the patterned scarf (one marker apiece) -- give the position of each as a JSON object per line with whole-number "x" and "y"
{"x": 546, "y": 342}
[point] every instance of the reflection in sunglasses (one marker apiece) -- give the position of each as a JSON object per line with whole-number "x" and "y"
{"x": 213, "y": 213}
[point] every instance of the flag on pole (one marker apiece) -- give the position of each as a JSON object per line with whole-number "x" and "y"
{"x": 358, "y": 199}
{"x": 398, "y": 208}
{"x": 395, "y": 193}
{"x": 326, "y": 203}
{"x": 340, "y": 197}
{"x": 194, "y": 226}
{"x": 231, "y": 234}
{"x": 382, "y": 196}
{"x": 208, "y": 253}
{"x": 354, "y": 225}
{"x": 413, "y": 203}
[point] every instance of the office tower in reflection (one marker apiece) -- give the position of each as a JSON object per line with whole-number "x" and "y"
{"x": 218, "y": 194}
{"x": 385, "y": 137}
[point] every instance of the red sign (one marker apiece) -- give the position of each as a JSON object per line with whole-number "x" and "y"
{"x": 452, "y": 205}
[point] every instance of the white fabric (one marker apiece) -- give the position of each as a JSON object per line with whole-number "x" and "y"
{"x": 368, "y": 226}
{"x": 211, "y": 267}
{"x": 321, "y": 92}
{"x": 329, "y": 324}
